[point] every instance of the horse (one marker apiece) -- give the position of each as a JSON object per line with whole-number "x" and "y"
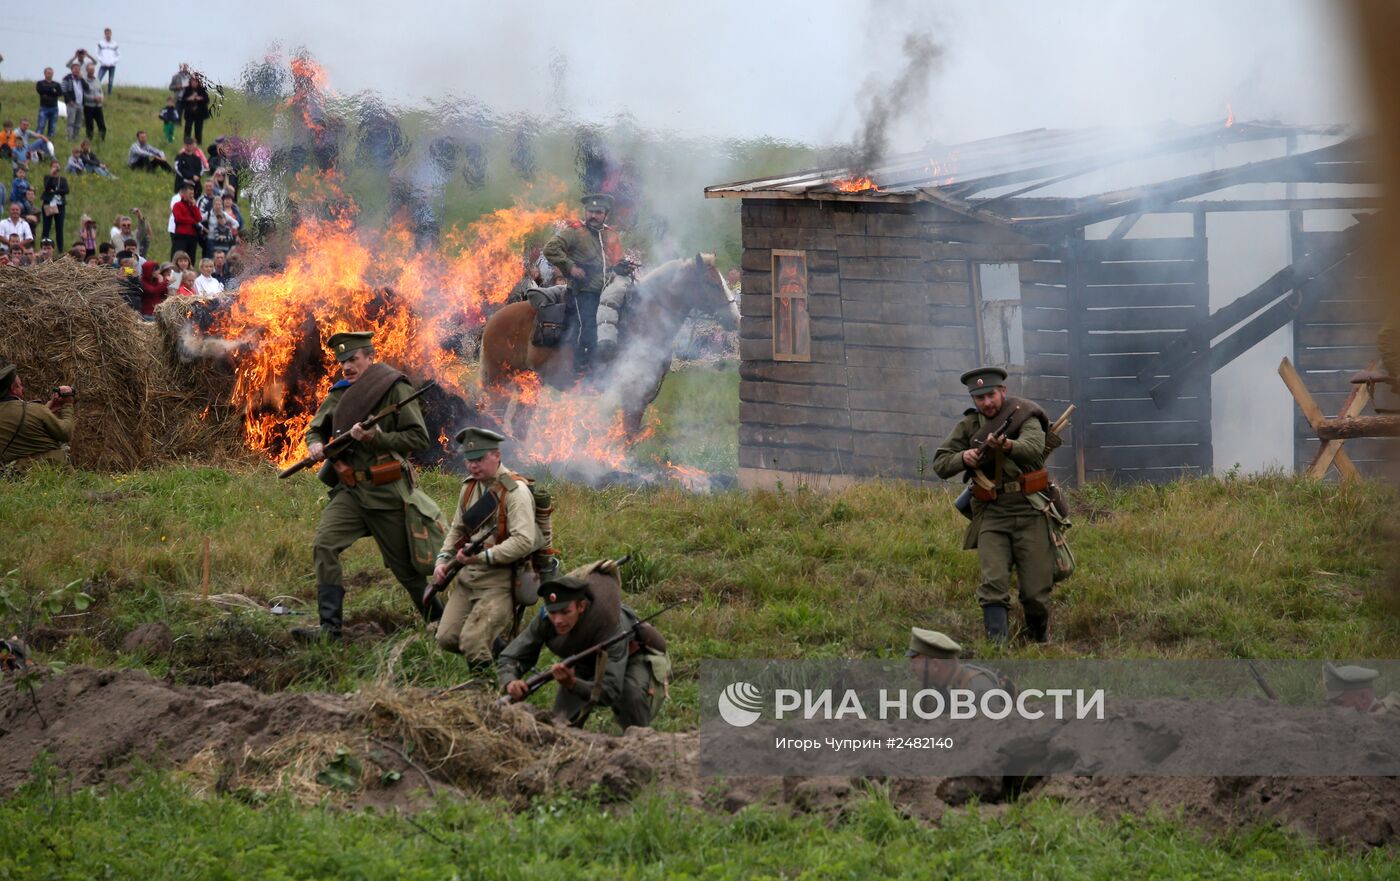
{"x": 631, "y": 379}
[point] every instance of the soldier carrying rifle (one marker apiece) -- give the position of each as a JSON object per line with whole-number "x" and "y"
{"x": 583, "y": 613}
{"x": 1000, "y": 445}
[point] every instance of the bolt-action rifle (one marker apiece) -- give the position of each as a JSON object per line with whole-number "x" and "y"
{"x": 342, "y": 442}
{"x": 538, "y": 680}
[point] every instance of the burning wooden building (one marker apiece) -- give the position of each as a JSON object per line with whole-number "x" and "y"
{"x": 1081, "y": 261}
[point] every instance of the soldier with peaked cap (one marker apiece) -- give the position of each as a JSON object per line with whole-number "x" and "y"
{"x": 373, "y": 492}
{"x": 1007, "y": 529}
{"x": 934, "y": 658}
{"x": 582, "y": 609}
{"x": 1354, "y": 687}
{"x": 588, "y": 253}
{"x": 481, "y": 599}
{"x": 33, "y": 431}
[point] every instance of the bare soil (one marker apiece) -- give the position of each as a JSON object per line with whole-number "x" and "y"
{"x": 98, "y": 726}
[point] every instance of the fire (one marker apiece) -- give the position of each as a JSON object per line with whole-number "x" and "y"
{"x": 854, "y": 185}
{"x": 338, "y": 278}
{"x": 568, "y": 428}
{"x": 945, "y": 172}
{"x": 693, "y": 479}
{"x": 1229, "y": 115}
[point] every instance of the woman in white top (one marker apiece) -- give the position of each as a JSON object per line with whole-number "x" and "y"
{"x": 206, "y": 283}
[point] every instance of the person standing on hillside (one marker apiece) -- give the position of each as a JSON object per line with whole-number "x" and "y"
{"x": 50, "y": 90}
{"x": 74, "y": 87}
{"x": 1007, "y": 529}
{"x": 93, "y": 101}
{"x": 108, "y": 55}
{"x": 374, "y": 493}
{"x": 54, "y": 202}
{"x": 194, "y": 101}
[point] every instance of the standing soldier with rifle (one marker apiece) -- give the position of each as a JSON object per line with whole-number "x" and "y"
{"x": 372, "y": 483}
{"x": 1000, "y": 444}
{"x": 625, "y": 668}
{"x": 491, "y": 551}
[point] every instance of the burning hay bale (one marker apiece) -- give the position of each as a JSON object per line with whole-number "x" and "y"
{"x": 191, "y": 383}
{"x": 69, "y": 323}
{"x": 137, "y": 401}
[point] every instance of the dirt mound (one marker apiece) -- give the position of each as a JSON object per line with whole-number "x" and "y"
{"x": 381, "y": 747}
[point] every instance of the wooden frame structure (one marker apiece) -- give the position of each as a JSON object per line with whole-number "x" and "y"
{"x": 1117, "y": 325}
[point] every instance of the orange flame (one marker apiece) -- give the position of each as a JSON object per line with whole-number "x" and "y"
{"x": 945, "y": 172}
{"x": 693, "y": 479}
{"x": 338, "y": 279}
{"x": 1229, "y": 115}
{"x": 854, "y": 185}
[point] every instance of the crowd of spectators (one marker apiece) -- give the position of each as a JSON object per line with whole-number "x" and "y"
{"x": 205, "y": 223}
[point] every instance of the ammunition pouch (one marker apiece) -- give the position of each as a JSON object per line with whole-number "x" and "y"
{"x": 385, "y": 472}
{"x": 1026, "y": 484}
{"x": 344, "y": 473}
{"x": 1058, "y": 525}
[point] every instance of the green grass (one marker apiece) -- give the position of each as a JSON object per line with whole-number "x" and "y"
{"x": 156, "y": 829}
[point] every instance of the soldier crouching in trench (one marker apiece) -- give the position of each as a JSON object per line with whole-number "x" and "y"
{"x": 31, "y": 431}
{"x": 374, "y": 493}
{"x": 1007, "y": 529}
{"x": 581, "y": 610}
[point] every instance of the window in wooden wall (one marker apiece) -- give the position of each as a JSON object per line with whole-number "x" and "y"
{"x": 792, "y": 323}
{"x": 999, "y": 314}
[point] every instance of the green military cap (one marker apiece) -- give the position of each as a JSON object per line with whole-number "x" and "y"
{"x": 983, "y": 380}
{"x": 477, "y": 442}
{"x": 7, "y": 377}
{"x": 557, "y": 593}
{"x": 931, "y": 644}
{"x": 1340, "y": 680}
{"x": 345, "y": 344}
{"x": 598, "y": 202}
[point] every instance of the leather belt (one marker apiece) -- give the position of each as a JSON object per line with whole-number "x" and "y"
{"x": 364, "y": 477}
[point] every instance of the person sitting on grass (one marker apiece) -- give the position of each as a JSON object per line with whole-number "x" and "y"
{"x": 206, "y": 283}
{"x": 144, "y": 156}
{"x": 91, "y": 163}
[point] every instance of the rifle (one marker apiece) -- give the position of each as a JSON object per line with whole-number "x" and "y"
{"x": 1263, "y": 683}
{"x": 535, "y": 682}
{"x": 342, "y": 442}
{"x": 473, "y": 519}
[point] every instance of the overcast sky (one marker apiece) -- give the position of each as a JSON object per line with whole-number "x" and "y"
{"x": 779, "y": 68}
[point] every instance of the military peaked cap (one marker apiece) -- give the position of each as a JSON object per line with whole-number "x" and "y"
{"x": 598, "y": 202}
{"x": 345, "y": 344}
{"x": 7, "y": 377}
{"x": 559, "y": 592}
{"x": 477, "y": 442}
{"x": 983, "y": 380}
{"x": 1340, "y": 680}
{"x": 931, "y": 644}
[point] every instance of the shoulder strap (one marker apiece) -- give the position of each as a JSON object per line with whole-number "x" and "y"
{"x": 23, "y": 408}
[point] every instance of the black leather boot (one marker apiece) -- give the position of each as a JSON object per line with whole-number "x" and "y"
{"x": 415, "y": 594}
{"x": 1038, "y": 625}
{"x": 994, "y": 619}
{"x": 330, "y": 599}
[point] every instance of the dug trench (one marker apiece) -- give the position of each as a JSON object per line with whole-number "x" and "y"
{"x": 398, "y": 748}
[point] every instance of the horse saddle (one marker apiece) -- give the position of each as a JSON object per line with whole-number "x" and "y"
{"x": 551, "y": 311}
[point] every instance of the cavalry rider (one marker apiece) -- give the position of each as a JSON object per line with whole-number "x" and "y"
{"x": 589, "y": 254}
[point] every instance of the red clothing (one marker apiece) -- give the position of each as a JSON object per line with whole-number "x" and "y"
{"x": 153, "y": 290}
{"x": 187, "y": 218}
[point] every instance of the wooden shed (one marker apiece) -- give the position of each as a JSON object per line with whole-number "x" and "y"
{"x": 865, "y": 296}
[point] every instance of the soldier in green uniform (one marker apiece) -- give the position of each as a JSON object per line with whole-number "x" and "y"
{"x": 375, "y": 493}
{"x": 588, "y": 253}
{"x": 1354, "y": 687}
{"x": 31, "y": 431}
{"x": 1007, "y": 529}
{"x": 934, "y": 658}
{"x": 582, "y": 609}
{"x": 481, "y": 599}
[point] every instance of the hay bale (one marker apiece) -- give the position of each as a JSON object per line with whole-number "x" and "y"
{"x": 139, "y": 402}
{"x": 65, "y": 322}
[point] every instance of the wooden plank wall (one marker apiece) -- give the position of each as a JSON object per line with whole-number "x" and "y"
{"x": 1045, "y": 320}
{"x": 892, "y": 328}
{"x": 1331, "y": 341}
{"x": 1131, "y": 297}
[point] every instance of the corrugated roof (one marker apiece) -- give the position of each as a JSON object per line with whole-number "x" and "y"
{"x": 1012, "y": 165}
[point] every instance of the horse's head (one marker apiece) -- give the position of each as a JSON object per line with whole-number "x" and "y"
{"x": 709, "y": 293}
